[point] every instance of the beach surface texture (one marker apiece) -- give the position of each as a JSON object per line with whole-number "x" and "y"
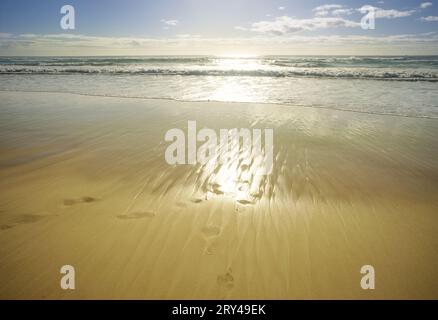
{"x": 84, "y": 182}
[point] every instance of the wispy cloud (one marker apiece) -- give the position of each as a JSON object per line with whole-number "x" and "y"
{"x": 287, "y": 25}
{"x": 281, "y": 8}
{"x": 387, "y": 13}
{"x": 343, "y": 11}
{"x": 425, "y": 5}
{"x": 325, "y": 10}
{"x": 187, "y": 36}
{"x": 339, "y": 10}
{"x": 429, "y": 18}
{"x": 327, "y": 16}
{"x": 171, "y": 22}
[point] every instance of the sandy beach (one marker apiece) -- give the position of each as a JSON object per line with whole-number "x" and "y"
{"x": 84, "y": 182}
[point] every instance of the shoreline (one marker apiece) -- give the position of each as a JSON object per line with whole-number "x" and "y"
{"x": 281, "y": 104}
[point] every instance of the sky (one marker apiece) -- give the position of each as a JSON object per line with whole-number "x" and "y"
{"x": 204, "y": 27}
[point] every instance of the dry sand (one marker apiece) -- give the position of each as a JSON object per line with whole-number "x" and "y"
{"x": 83, "y": 181}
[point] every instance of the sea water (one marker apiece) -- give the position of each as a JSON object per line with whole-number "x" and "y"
{"x": 389, "y": 85}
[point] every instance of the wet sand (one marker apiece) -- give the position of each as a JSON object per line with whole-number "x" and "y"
{"x": 84, "y": 182}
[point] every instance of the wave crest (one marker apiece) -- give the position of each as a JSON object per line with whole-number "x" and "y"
{"x": 347, "y": 73}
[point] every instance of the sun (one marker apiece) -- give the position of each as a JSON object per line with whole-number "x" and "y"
{"x": 237, "y": 55}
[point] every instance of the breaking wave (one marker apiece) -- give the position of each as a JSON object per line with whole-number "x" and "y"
{"x": 342, "y": 73}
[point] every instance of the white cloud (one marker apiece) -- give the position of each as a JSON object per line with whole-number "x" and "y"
{"x": 392, "y": 13}
{"x": 322, "y": 13}
{"x": 241, "y": 28}
{"x": 326, "y": 16}
{"x": 328, "y": 7}
{"x": 430, "y": 18}
{"x": 344, "y": 11}
{"x": 171, "y": 22}
{"x": 187, "y": 36}
{"x": 386, "y": 14}
{"x": 281, "y": 8}
{"x": 287, "y": 25}
{"x": 332, "y": 9}
{"x": 425, "y": 5}
{"x": 339, "y": 10}
{"x": 324, "y": 10}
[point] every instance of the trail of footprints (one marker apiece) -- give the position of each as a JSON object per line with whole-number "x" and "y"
{"x": 210, "y": 232}
{"x": 35, "y": 217}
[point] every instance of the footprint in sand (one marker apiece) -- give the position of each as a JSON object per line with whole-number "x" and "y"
{"x": 216, "y": 188}
{"x": 22, "y": 219}
{"x": 69, "y": 202}
{"x": 244, "y": 201}
{"x": 29, "y": 218}
{"x": 137, "y": 215}
{"x": 180, "y": 204}
{"x": 226, "y": 280}
{"x": 88, "y": 199}
{"x": 210, "y": 231}
{"x": 85, "y": 199}
{"x": 211, "y": 247}
{"x": 196, "y": 200}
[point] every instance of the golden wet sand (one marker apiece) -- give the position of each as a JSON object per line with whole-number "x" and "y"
{"x": 84, "y": 182}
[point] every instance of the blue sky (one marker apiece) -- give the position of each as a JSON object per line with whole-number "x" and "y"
{"x": 211, "y": 27}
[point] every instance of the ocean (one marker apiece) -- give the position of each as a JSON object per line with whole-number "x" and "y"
{"x": 389, "y": 85}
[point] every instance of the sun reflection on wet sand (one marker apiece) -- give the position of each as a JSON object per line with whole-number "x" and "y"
{"x": 242, "y": 178}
